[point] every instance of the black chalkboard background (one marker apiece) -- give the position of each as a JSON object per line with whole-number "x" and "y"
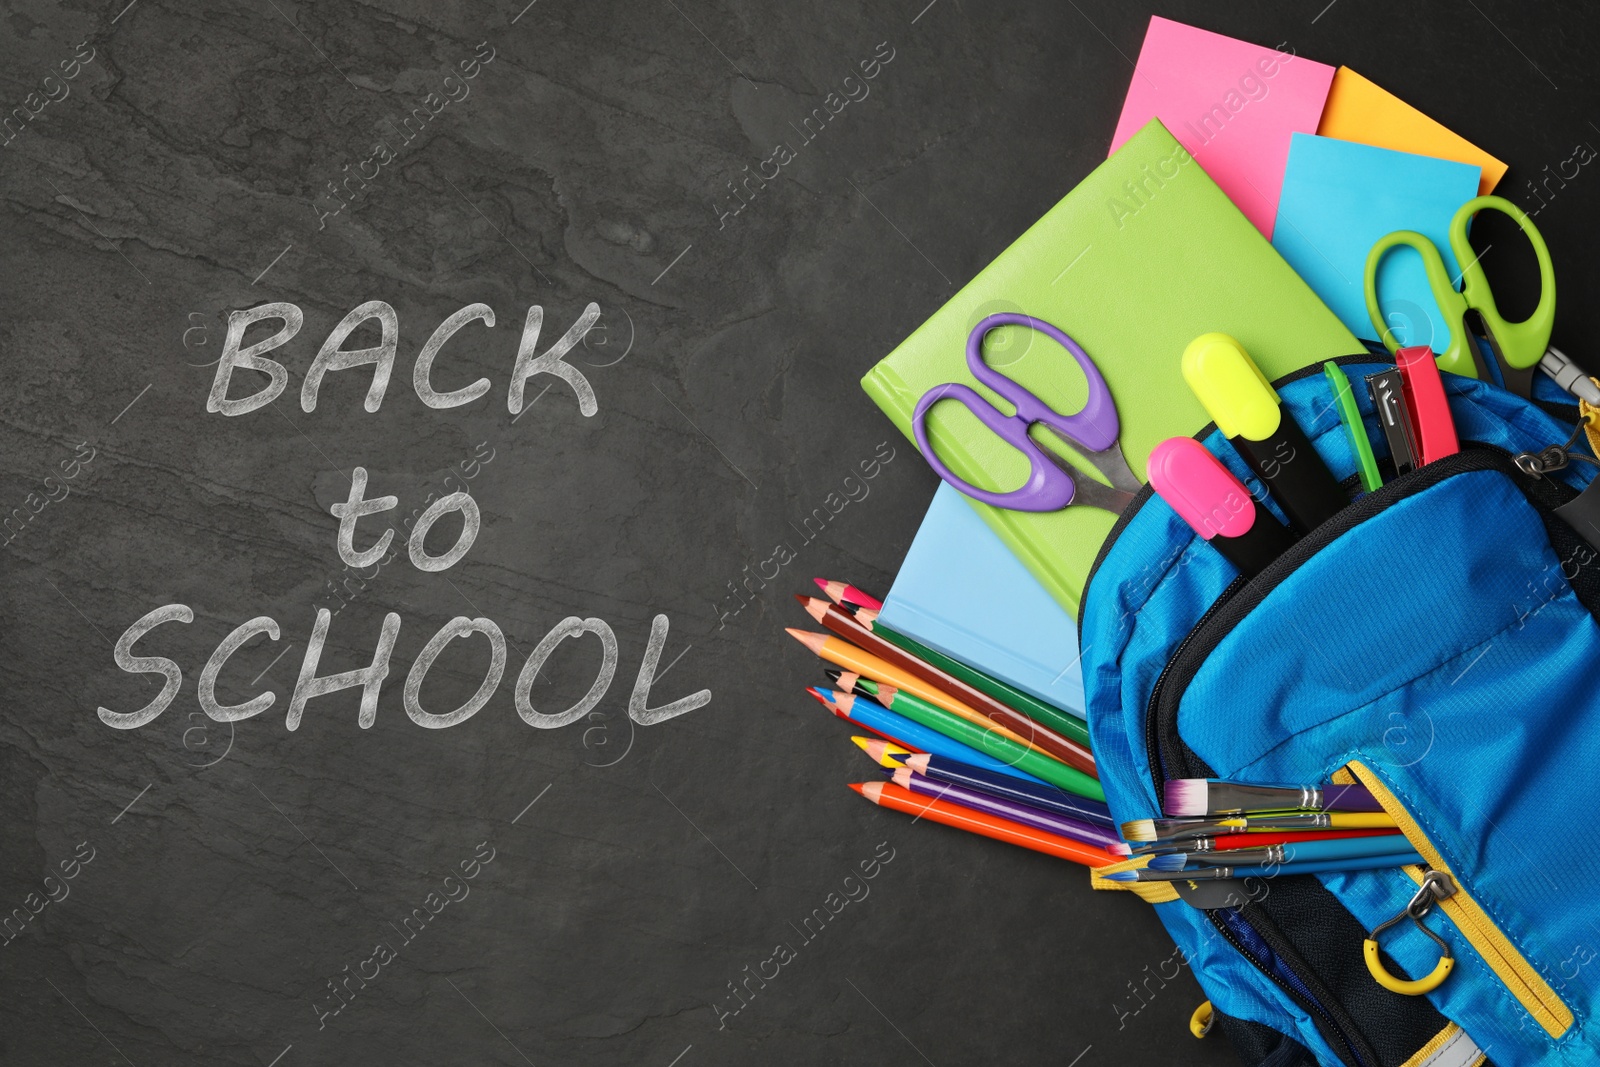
{"x": 235, "y": 870}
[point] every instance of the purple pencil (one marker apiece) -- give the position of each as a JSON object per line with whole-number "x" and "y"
{"x": 1016, "y": 811}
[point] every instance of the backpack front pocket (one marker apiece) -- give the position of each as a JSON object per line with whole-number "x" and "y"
{"x": 1431, "y": 637}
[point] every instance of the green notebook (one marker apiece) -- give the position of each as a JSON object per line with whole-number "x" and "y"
{"x": 1142, "y": 257}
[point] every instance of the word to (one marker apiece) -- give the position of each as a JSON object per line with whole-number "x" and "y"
{"x": 358, "y": 506}
{"x": 356, "y": 581}
{"x": 370, "y": 678}
{"x": 332, "y": 356}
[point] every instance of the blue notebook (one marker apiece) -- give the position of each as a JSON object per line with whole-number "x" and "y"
{"x": 961, "y": 592}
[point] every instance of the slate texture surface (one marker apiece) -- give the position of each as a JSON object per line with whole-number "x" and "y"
{"x": 609, "y": 886}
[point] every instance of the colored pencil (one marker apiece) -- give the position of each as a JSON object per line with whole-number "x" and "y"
{"x": 1257, "y": 839}
{"x": 1174, "y": 829}
{"x": 889, "y": 795}
{"x": 1039, "y": 711}
{"x": 879, "y": 725}
{"x": 1037, "y": 818}
{"x": 984, "y": 739}
{"x": 1071, "y": 752}
{"x": 885, "y": 754}
{"x": 1051, "y": 798}
{"x": 1215, "y": 874}
{"x": 906, "y": 733}
{"x": 1210, "y": 796}
{"x": 839, "y": 651}
{"x": 845, "y": 593}
{"x": 1299, "y": 852}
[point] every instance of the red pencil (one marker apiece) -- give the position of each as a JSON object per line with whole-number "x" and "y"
{"x": 845, "y": 593}
{"x": 888, "y": 795}
{"x": 846, "y": 626}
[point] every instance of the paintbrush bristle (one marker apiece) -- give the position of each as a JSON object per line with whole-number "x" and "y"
{"x": 1122, "y": 876}
{"x": 1169, "y": 861}
{"x": 1119, "y": 848}
{"x": 1139, "y": 830}
{"x": 1185, "y": 796}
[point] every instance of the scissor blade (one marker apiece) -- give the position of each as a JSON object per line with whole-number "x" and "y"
{"x": 1518, "y": 380}
{"x": 1086, "y": 492}
{"x": 1108, "y": 461}
{"x": 1093, "y": 494}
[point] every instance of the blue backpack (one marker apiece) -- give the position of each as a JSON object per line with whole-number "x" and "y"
{"x": 1437, "y": 642}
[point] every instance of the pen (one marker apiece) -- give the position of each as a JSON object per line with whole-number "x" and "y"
{"x": 1247, "y": 410}
{"x": 1216, "y": 505}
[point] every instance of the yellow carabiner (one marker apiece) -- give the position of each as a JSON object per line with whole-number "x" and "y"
{"x": 1414, "y": 987}
{"x": 1200, "y": 1022}
{"x": 1436, "y": 885}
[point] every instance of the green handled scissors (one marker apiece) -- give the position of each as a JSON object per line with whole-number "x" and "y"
{"x": 1470, "y": 311}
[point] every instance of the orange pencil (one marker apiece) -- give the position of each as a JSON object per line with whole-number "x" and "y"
{"x": 839, "y": 651}
{"x": 888, "y": 795}
{"x": 849, "y": 627}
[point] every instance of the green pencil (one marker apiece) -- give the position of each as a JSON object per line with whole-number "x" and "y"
{"x": 1023, "y": 758}
{"x": 1028, "y": 704}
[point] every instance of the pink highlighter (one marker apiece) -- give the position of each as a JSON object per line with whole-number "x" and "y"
{"x": 1216, "y": 504}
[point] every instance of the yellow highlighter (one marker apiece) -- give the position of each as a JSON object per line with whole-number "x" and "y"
{"x": 1247, "y": 410}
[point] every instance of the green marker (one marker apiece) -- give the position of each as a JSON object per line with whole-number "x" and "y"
{"x": 1354, "y": 428}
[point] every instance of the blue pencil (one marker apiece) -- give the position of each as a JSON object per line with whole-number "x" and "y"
{"x": 856, "y": 708}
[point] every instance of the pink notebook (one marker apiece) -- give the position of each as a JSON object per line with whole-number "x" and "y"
{"x": 1232, "y": 104}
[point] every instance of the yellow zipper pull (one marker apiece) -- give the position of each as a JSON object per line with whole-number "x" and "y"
{"x": 1436, "y": 886}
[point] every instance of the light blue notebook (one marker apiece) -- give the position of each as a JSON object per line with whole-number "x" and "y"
{"x": 1339, "y": 198}
{"x": 961, "y": 592}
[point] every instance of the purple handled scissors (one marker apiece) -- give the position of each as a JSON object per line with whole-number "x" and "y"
{"x": 1052, "y": 484}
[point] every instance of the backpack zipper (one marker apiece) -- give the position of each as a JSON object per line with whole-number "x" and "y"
{"x": 1236, "y": 929}
{"x": 1508, "y": 963}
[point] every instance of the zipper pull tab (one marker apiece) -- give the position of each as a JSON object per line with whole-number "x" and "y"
{"x": 1582, "y": 512}
{"x": 1436, "y": 886}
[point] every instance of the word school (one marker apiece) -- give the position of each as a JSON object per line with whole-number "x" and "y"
{"x": 369, "y": 679}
